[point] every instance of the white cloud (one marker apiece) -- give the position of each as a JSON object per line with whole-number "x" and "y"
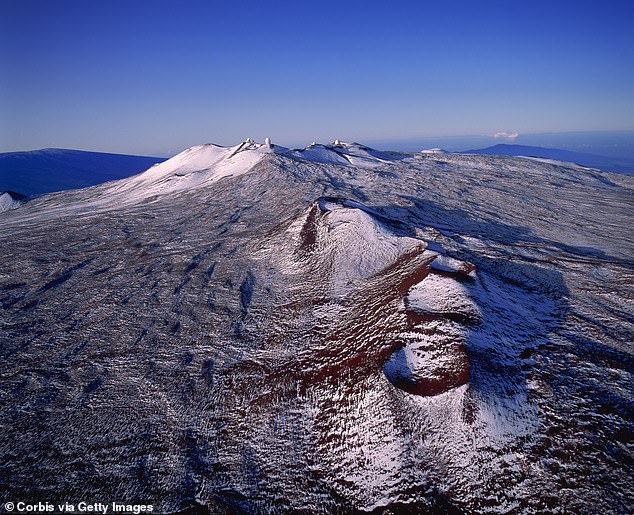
{"x": 509, "y": 136}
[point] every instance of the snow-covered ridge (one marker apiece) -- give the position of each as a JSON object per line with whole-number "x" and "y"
{"x": 210, "y": 162}
{"x": 346, "y": 241}
{"x": 556, "y": 162}
{"x": 203, "y": 165}
{"x": 346, "y": 154}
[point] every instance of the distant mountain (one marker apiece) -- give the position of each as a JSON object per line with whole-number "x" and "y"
{"x": 611, "y": 164}
{"x": 53, "y": 169}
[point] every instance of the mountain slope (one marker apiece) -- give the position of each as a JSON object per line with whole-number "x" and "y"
{"x": 244, "y": 329}
{"x": 590, "y": 160}
{"x": 44, "y": 171}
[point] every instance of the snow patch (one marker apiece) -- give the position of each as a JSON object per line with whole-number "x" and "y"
{"x": 10, "y": 200}
{"x": 439, "y": 294}
{"x": 567, "y": 164}
{"x": 434, "y": 150}
{"x": 447, "y": 264}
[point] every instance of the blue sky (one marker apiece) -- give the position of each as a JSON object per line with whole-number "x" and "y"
{"x": 156, "y": 77}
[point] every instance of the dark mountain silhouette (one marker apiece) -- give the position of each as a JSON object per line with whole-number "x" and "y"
{"x": 591, "y": 160}
{"x": 52, "y": 169}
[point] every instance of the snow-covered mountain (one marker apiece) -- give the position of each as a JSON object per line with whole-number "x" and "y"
{"x": 202, "y": 165}
{"x": 331, "y": 329}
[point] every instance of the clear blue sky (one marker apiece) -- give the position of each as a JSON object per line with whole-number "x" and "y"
{"x": 156, "y": 77}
